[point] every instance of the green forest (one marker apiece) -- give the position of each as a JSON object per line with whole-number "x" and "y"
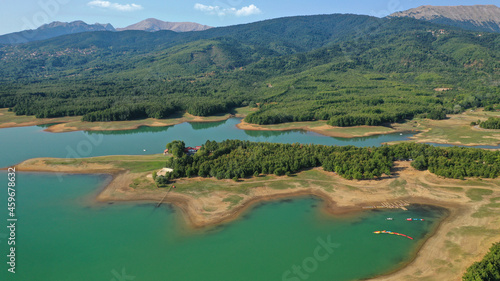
{"x": 347, "y": 69}
{"x": 235, "y": 159}
{"x": 491, "y": 123}
{"x": 488, "y": 269}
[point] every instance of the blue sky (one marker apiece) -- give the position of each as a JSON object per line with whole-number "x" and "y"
{"x": 28, "y": 14}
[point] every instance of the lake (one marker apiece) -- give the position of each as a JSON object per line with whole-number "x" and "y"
{"x": 62, "y": 234}
{"x": 23, "y": 143}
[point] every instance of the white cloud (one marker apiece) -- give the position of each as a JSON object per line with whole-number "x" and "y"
{"x": 248, "y": 10}
{"x": 219, "y": 11}
{"x": 115, "y": 6}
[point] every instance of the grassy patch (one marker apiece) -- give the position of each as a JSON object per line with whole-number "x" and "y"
{"x": 457, "y": 129}
{"x": 422, "y": 184}
{"x": 399, "y": 187}
{"x": 495, "y": 199}
{"x": 142, "y": 166}
{"x": 473, "y": 231}
{"x": 351, "y": 187}
{"x": 280, "y": 185}
{"x": 450, "y": 188}
{"x": 233, "y": 200}
{"x": 477, "y": 182}
{"x": 476, "y": 194}
{"x": 243, "y": 111}
{"x": 398, "y": 183}
{"x": 142, "y": 183}
{"x": 484, "y": 211}
{"x": 453, "y": 248}
{"x": 205, "y": 186}
{"x": 493, "y": 205}
{"x": 136, "y": 163}
{"x": 72, "y": 162}
{"x": 209, "y": 209}
{"x": 303, "y": 183}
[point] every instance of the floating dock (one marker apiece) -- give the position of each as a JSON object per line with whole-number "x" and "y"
{"x": 391, "y": 232}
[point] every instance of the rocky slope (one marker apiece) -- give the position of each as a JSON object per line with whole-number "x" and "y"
{"x": 152, "y": 25}
{"x": 476, "y": 17}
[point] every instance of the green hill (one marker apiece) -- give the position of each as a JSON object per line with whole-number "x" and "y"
{"x": 348, "y": 69}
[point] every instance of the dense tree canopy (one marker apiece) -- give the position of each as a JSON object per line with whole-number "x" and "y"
{"x": 491, "y": 123}
{"x": 241, "y": 159}
{"x": 487, "y": 269}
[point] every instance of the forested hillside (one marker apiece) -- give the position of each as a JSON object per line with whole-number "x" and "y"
{"x": 348, "y": 69}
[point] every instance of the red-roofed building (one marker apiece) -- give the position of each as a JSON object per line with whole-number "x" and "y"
{"x": 190, "y": 149}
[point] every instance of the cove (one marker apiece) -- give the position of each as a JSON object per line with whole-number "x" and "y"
{"x": 63, "y": 235}
{"x": 22, "y": 143}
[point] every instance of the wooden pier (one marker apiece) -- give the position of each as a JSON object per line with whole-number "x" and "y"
{"x": 163, "y": 199}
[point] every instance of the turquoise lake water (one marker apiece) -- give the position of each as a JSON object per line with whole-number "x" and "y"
{"x": 61, "y": 234}
{"x": 23, "y": 143}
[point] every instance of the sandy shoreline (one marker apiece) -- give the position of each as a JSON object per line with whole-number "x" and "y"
{"x": 64, "y": 126}
{"x": 322, "y": 130}
{"x": 74, "y": 123}
{"x": 71, "y": 124}
{"x": 348, "y": 197}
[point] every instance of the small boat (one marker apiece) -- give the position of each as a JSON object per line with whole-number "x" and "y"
{"x": 408, "y": 219}
{"x": 414, "y": 219}
{"x": 389, "y": 219}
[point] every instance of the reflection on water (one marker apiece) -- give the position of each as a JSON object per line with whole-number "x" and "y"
{"x": 140, "y": 130}
{"x": 17, "y": 143}
{"x": 268, "y": 134}
{"x": 206, "y": 125}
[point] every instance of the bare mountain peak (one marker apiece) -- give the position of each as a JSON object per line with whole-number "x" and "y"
{"x": 51, "y": 30}
{"x": 78, "y": 24}
{"x": 152, "y": 24}
{"x": 475, "y": 17}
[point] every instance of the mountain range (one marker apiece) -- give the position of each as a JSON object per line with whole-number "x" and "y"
{"x": 56, "y": 29}
{"x": 347, "y": 69}
{"x": 52, "y": 30}
{"x": 476, "y": 17}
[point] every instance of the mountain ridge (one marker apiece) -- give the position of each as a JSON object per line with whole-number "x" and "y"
{"x": 152, "y": 25}
{"x": 51, "y": 30}
{"x": 474, "y": 17}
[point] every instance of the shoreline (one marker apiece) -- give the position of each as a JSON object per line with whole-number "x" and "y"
{"x": 72, "y": 124}
{"x": 65, "y": 126}
{"x": 322, "y": 130}
{"x": 341, "y": 201}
